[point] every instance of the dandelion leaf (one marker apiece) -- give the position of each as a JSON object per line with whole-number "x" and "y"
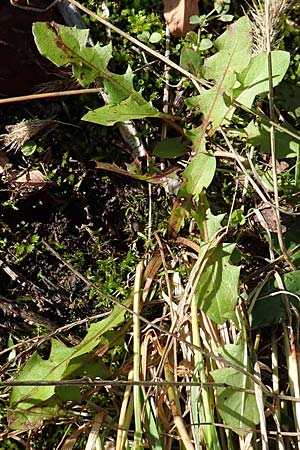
{"x": 237, "y": 408}
{"x": 232, "y": 57}
{"x": 127, "y": 109}
{"x": 217, "y": 291}
{"x": 66, "y": 45}
{"x": 31, "y": 405}
{"x": 254, "y": 80}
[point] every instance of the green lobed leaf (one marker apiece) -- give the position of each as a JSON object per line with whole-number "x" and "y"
{"x": 237, "y": 409}
{"x": 233, "y": 56}
{"x": 217, "y": 291}
{"x": 26, "y": 400}
{"x": 125, "y": 110}
{"x": 254, "y": 80}
{"x": 45, "y": 40}
{"x": 66, "y": 45}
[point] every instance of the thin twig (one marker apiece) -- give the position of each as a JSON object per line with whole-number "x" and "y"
{"x": 272, "y": 136}
{"x": 28, "y": 98}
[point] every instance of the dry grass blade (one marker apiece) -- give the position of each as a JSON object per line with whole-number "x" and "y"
{"x": 94, "y": 433}
{"x": 125, "y": 415}
{"x": 71, "y": 440}
{"x": 260, "y": 405}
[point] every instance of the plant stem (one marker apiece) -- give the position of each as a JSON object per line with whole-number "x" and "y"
{"x": 175, "y": 408}
{"x": 203, "y": 396}
{"x": 136, "y": 358}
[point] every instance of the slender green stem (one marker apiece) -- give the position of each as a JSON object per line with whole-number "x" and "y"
{"x": 202, "y": 394}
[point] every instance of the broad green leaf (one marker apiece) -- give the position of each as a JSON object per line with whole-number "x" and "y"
{"x": 233, "y": 56}
{"x": 29, "y": 148}
{"x": 26, "y": 400}
{"x": 65, "y": 45}
{"x": 87, "y": 365}
{"x": 45, "y": 40}
{"x": 212, "y": 104}
{"x": 195, "y": 20}
{"x": 198, "y": 174}
{"x": 68, "y": 393}
{"x": 268, "y": 312}
{"x": 217, "y": 291}
{"x": 237, "y": 409}
{"x": 291, "y": 282}
{"x": 254, "y": 80}
{"x": 152, "y": 425}
{"x": 97, "y": 329}
{"x": 120, "y": 87}
{"x": 213, "y": 223}
{"x": 171, "y": 148}
{"x": 126, "y": 110}
{"x": 33, "y": 418}
{"x": 37, "y": 368}
{"x": 291, "y": 240}
{"x": 286, "y": 145}
{"x": 144, "y": 36}
{"x": 191, "y": 60}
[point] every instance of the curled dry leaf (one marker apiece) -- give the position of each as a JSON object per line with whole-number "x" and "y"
{"x": 27, "y": 182}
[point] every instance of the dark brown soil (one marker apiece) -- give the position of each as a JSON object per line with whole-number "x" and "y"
{"x": 22, "y": 68}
